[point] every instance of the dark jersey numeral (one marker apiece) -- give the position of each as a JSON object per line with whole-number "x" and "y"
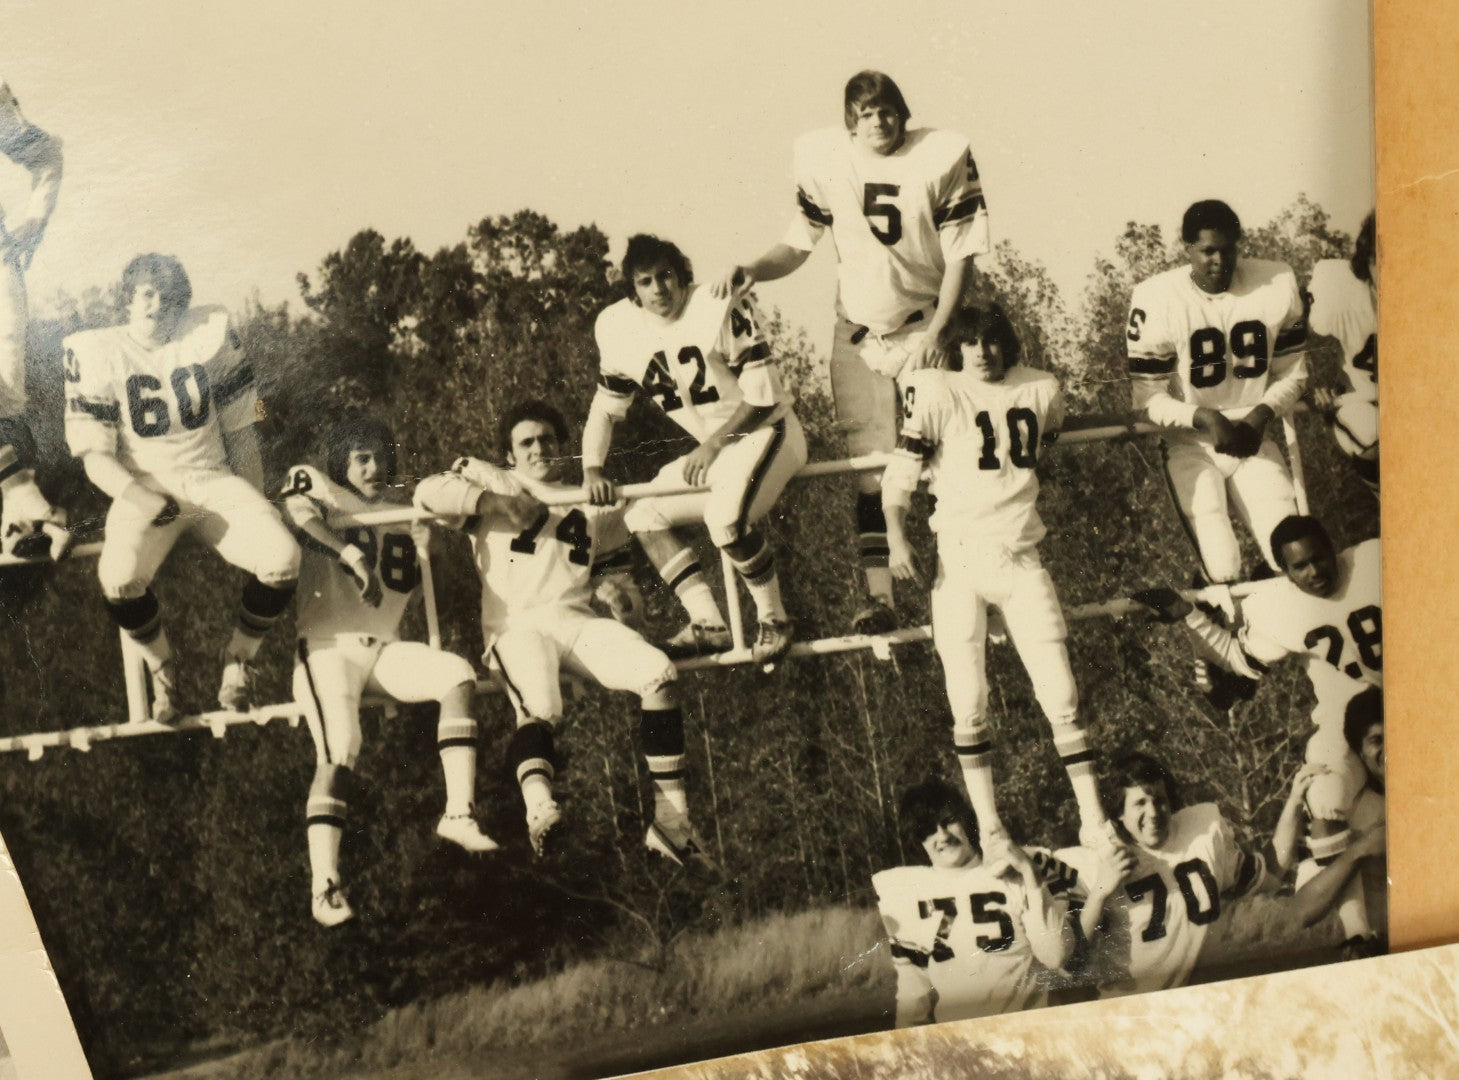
{"x": 986, "y": 911}
{"x": 1199, "y": 909}
{"x": 572, "y": 531}
{"x": 392, "y": 556}
{"x": 1208, "y": 346}
{"x": 1366, "y": 627}
{"x": 1023, "y": 439}
{"x": 872, "y": 207}
{"x": 1137, "y": 321}
{"x": 151, "y": 416}
{"x": 659, "y": 382}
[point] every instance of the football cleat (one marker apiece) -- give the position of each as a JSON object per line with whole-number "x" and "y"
{"x": 235, "y": 692}
{"x": 331, "y": 907}
{"x": 875, "y": 617}
{"x": 163, "y": 679}
{"x": 464, "y": 831}
{"x": 697, "y": 639}
{"x": 1222, "y": 689}
{"x": 676, "y": 841}
{"x": 541, "y": 820}
{"x": 772, "y": 642}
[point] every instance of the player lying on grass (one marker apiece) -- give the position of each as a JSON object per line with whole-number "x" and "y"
{"x": 354, "y": 585}
{"x": 537, "y": 620}
{"x": 1343, "y": 295}
{"x": 29, "y": 525}
{"x": 1217, "y": 351}
{"x": 1366, "y": 813}
{"x": 161, "y": 411}
{"x": 978, "y": 425}
{"x": 906, "y": 216}
{"x": 706, "y": 362}
{"x": 1184, "y": 868}
{"x": 966, "y": 932}
{"x": 1327, "y": 609}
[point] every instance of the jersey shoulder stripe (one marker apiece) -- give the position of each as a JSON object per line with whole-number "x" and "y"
{"x": 616, "y": 385}
{"x": 813, "y": 213}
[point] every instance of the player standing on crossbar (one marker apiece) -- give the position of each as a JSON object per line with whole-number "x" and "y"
{"x": 706, "y": 363}
{"x": 906, "y": 215}
{"x": 161, "y": 411}
{"x": 29, "y": 525}
{"x": 978, "y": 425}
{"x": 537, "y": 621}
{"x": 354, "y": 585}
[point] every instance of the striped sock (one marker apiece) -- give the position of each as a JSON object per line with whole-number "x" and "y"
{"x": 1072, "y": 743}
{"x": 685, "y": 576}
{"x": 456, "y": 743}
{"x": 661, "y": 735}
{"x": 871, "y": 528}
{"x": 974, "y": 744}
{"x": 259, "y": 609}
{"x": 530, "y": 757}
{"x": 324, "y": 818}
{"x": 756, "y": 566}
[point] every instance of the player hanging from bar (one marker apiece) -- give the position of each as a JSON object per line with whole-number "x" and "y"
{"x": 161, "y": 413}
{"x": 1327, "y": 609}
{"x": 1184, "y": 868}
{"x": 978, "y": 426}
{"x": 706, "y": 363}
{"x": 1344, "y": 305}
{"x": 906, "y": 215}
{"x": 29, "y": 525}
{"x": 1217, "y": 352}
{"x": 354, "y": 585}
{"x": 537, "y": 620}
{"x": 966, "y": 934}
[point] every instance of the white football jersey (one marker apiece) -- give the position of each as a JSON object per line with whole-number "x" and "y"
{"x": 1189, "y": 348}
{"x": 162, "y": 409}
{"x": 1339, "y": 637}
{"x": 896, "y": 219}
{"x": 546, "y": 565}
{"x": 1343, "y": 308}
{"x": 978, "y": 937}
{"x": 328, "y": 597}
{"x": 982, "y": 440}
{"x": 698, "y": 367}
{"x": 1157, "y": 920}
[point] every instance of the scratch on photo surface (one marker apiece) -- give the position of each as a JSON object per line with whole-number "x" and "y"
{"x": 1432, "y": 178}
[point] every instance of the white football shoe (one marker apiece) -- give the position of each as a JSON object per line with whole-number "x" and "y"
{"x": 464, "y": 831}
{"x": 331, "y": 907}
{"x": 676, "y": 841}
{"x": 235, "y": 692}
{"x": 772, "y": 642}
{"x": 542, "y": 818}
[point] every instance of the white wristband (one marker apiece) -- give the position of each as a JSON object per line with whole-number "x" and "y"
{"x": 355, "y": 559}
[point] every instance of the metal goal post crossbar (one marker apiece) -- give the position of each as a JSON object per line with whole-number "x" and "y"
{"x": 218, "y": 722}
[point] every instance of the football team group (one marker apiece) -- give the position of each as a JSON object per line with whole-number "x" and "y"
{"x": 161, "y": 411}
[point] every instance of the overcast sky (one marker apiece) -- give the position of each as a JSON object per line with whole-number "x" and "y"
{"x": 251, "y": 139}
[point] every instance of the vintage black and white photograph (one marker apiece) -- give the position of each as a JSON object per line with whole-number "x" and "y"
{"x": 559, "y": 543}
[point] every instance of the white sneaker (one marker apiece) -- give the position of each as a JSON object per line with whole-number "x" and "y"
{"x": 164, "y": 711}
{"x": 331, "y": 907}
{"x": 464, "y": 831}
{"x": 542, "y": 818}
{"x": 772, "y": 642}
{"x": 676, "y": 841}
{"x": 235, "y": 692}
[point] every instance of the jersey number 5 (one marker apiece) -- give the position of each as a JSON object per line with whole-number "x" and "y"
{"x": 873, "y": 207}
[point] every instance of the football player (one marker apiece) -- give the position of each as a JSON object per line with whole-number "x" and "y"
{"x": 978, "y": 425}
{"x": 29, "y": 525}
{"x": 160, "y": 411}
{"x": 706, "y": 363}
{"x": 1217, "y": 351}
{"x": 536, "y": 618}
{"x": 354, "y": 585}
{"x": 1344, "y": 305}
{"x": 1327, "y": 608}
{"x": 965, "y": 934}
{"x": 906, "y": 215}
